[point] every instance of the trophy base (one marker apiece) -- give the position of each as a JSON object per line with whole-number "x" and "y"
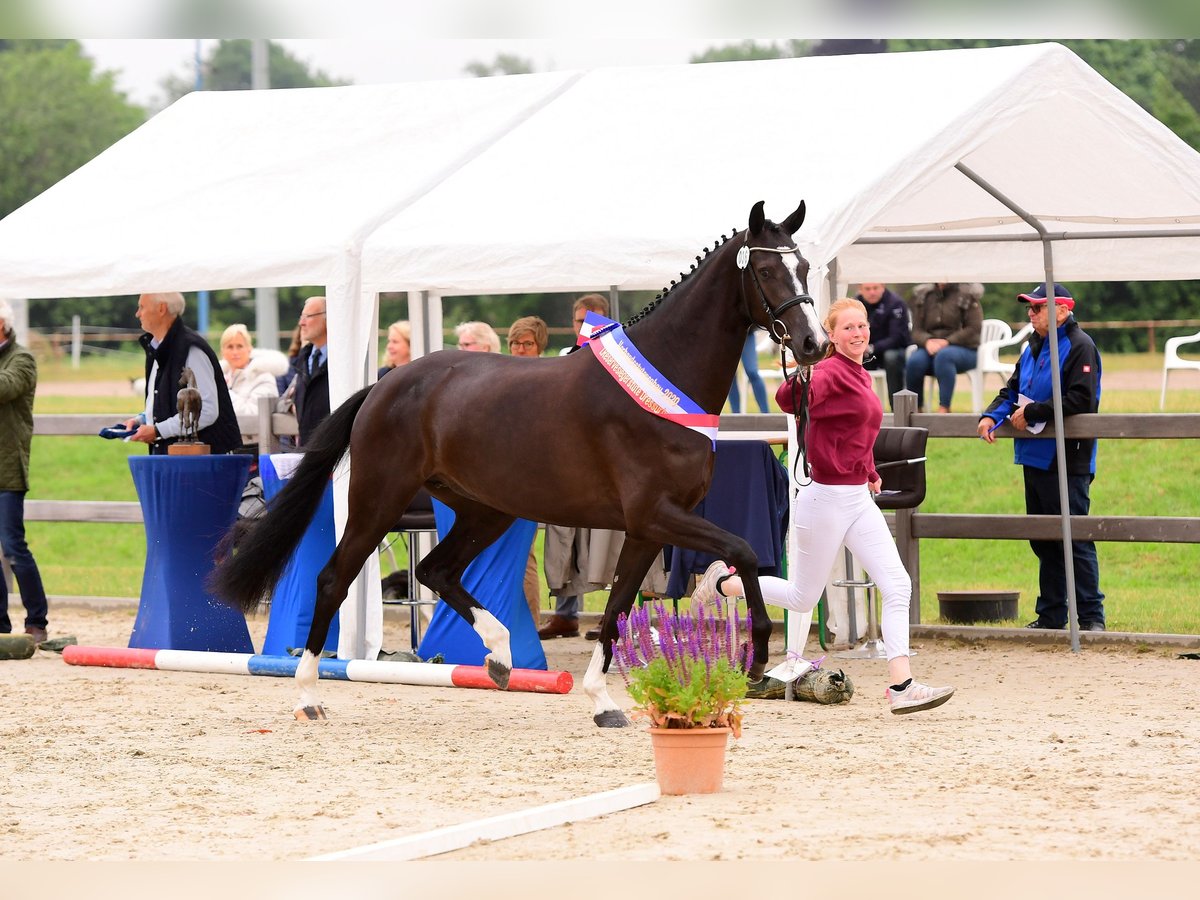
{"x": 188, "y": 448}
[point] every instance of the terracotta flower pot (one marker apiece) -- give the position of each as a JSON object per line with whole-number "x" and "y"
{"x": 689, "y": 760}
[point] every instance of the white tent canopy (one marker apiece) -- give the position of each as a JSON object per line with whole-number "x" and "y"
{"x": 618, "y": 177}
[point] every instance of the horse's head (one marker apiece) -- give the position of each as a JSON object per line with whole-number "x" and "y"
{"x": 186, "y": 378}
{"x": 775, "y": 284}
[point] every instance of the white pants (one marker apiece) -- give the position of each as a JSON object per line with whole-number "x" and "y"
{"x": 825, "y": 516}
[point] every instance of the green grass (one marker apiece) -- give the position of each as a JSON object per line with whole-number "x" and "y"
{"x": 1147, "y": 585}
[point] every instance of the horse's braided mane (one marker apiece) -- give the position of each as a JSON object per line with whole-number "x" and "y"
{"x": 683, "y": 276}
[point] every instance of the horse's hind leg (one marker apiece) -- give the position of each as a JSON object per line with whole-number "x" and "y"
{"x": 476, "y": 527}
{"x": 632, "y": 565}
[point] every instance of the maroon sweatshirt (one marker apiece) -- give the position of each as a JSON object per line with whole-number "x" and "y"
{"x": 844, "y": 415}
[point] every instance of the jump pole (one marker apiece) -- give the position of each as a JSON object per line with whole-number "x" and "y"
{"x": 455, "y": 837}
{"x": 426, "y": 674}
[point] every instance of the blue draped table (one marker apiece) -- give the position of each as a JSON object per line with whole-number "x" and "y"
{"x": 748, "y": 497}
{"x": 188, "y": 504}
{"x": 496, "y": 579}
{"x": 295, "y": 594}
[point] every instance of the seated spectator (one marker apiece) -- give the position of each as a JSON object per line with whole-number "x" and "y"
{"x": 399, "y": 347}
{"x": 477, "y": 337}
{"x": 946, "y": 322}
{"x": 891, "y": 334}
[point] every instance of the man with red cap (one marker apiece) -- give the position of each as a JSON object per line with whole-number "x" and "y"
{"x": 1026, "y": 401}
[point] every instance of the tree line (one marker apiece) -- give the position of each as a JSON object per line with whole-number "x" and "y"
{"x": 59, "y": 111}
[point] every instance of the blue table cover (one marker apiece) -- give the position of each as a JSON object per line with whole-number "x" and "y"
{"x": 188, "y": 503}
{"x": 296, "y": 592}
{"x": 748, "y": 497}
{"x": 495, "y": 578}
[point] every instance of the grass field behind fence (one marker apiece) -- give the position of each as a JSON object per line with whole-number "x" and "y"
{"x": 1148, "y": 587}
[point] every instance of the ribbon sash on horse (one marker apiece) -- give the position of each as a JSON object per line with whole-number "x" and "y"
{"x": 641, "y": 381}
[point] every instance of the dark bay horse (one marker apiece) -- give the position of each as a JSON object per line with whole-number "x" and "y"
{"x": 550, "y": 440}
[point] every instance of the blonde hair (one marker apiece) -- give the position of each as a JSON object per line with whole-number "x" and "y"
{"x": 836, "y": 308}
{"x": 236, "y": 330}
{"x": 401, "y": 328}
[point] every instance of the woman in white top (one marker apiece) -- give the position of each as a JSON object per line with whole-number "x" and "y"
{"x": 247, "y": 378}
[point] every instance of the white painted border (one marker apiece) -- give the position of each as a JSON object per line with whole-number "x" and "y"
{"x": 455, "y": 837}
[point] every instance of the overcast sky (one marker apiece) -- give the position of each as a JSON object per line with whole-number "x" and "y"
{"x": 142, "y": 64}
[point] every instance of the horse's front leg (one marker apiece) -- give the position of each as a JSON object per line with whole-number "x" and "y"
{"x": 685, "y": 529}
{"x": 632, "y": 565}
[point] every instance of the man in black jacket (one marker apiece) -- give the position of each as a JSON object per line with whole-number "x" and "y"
{"x": 890, "y": 333}
{"x": 170, "y": 346}
{"x": 312, "y": 370}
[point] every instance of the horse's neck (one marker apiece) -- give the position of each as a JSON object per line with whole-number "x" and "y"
{"x": 695, "y": 337}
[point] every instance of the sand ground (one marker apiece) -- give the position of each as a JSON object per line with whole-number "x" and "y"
{"x": 1041, "y": 755}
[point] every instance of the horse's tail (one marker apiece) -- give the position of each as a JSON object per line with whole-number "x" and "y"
{"x": 255, "y": 551}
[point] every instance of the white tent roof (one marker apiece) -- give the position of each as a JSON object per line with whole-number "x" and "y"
{"x": 254, "y": 188}
{"x": 621, "y": 179}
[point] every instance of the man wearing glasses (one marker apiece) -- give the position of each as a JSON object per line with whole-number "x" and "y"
{"x": 1027, "y": 402}
{"x": 312, "y": 369}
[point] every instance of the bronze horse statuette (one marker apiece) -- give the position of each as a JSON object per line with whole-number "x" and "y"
{"x": 188, "y": 401}
{"x": 644, "y": 474}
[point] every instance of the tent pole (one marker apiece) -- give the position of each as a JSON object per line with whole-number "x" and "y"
{"x": 614, "y": 302}
{"x": 1060, "y": 446}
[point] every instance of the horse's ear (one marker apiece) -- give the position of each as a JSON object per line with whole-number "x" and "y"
{"x": 793, "y": 222}
{"x": 757, "y": 217}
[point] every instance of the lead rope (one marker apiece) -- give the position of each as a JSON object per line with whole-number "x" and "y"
{"x": 800, "y": 405}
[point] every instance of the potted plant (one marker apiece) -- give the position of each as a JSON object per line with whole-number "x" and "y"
{"x": 688, "y": 677}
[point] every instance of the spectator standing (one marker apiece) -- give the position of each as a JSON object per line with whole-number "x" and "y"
{"x": 170, "y": 347}
{"x": 947, "y": 319}
{"x": 891, "y": 333}
{"x": 312, "y": 370}
{"x": 245, "y": 377}
{"x": 18, "y": 381}
{"x": 565, "y": 546}
{"x": 398, "y": 351}
{"x": 477, "y": 337}
{"x": 528, "y": 337}
{"x": 1027, "y": 401}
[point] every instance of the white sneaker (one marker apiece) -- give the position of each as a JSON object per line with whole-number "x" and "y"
{"x": 706, "y": 587}
{"x": 917, "y": 697}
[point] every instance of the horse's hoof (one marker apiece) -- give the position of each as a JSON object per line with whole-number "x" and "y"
{"x": 611, "y": 718}
{"x": 756, "y": 672}
{"x": 499, "y": 673}
{"x": 311, "y": 714}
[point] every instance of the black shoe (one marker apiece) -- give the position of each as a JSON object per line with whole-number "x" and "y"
{"x": 767, "y": 688}
{"x": 592, "y": 634}
{"x": 1091, "y": 626}
{"x": 1039, "y": 624}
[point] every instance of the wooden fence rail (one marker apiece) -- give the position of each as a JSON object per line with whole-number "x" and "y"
{"x": 910, "y": 526}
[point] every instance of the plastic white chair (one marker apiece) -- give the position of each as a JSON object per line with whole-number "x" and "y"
{"x": 989, "y": 359}
{"x": 1172, "y": 360}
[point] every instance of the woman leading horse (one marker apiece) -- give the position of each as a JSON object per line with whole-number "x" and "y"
{"x": 604, "y": 459}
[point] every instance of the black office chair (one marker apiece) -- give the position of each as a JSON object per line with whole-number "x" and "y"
{"x": 400, "y": 588}
{"x": 900, "y": 461}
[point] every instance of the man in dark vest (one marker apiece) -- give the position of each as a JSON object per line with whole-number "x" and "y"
{"x": 170, "y": 346}
{"x": 312, "y": 370}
